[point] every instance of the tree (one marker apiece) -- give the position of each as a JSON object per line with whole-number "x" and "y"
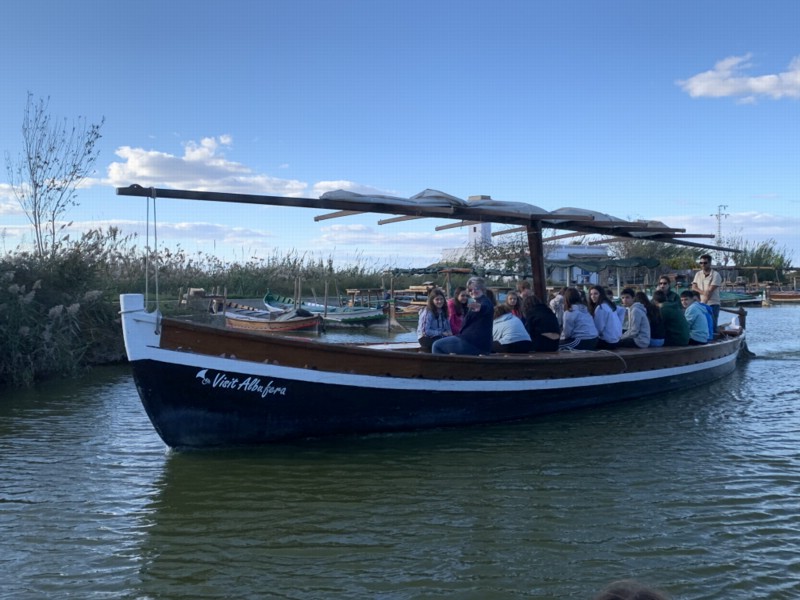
{"x": 510, "y": 254}
{"x": 773, "y": 261}
{"x": 671, "y": 256}
{"x": 55, "y": 160}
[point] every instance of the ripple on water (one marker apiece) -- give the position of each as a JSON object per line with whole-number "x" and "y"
{"x": 694, "y": 492}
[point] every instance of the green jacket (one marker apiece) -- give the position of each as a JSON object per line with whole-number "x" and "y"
{"x": 676, "y": 329}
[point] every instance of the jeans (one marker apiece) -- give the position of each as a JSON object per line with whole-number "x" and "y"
{"x": 715, "y": 314}
{"x": 454, "y": 345}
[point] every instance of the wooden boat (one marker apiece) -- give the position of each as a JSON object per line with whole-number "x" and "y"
{"x": 733, "y": 298}
{"x": 207, "y": 386}
{"x": 263, "y": 321}
{"x": 332, "y": 315}
{"x": 266, "y": 320}
{"x": 783, "y": 297}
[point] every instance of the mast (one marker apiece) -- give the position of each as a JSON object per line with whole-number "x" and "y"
{"x": 536, "y": 250}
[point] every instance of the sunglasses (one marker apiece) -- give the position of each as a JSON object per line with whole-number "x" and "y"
{"x": 703, "y": 262}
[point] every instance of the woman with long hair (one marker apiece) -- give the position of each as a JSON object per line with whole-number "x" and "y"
{"x": 541, "y": 323}
{"x": 457, "y": 309}
{"x": 513, "y": 302}
{"x": 433, "y": 322}
{"x": 657, "y": 331}
{"x": 579, "y": 332}
{"x": 604, "y": 313}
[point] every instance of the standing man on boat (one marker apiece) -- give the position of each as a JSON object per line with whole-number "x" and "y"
{"x": 707, "y": 283}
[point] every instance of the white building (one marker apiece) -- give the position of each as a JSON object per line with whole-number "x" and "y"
{"x": 481, "y": 234}
{"x": 573, "y": 274}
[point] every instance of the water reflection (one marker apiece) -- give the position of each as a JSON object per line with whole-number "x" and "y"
{"x": 74, "y": 480}
{"x": 675, "y": 489}
{"x": 693, "y": 491}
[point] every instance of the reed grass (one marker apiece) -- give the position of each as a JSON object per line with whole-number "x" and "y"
{"x": 59, "y": 315}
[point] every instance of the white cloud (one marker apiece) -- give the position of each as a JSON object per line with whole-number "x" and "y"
{"x": 752, "y": 226}
{"x": 203, "y": 166}
{"x": 8, "y": 203}
{"x": 727, "y": 79}
{"x": 409, "y": 248}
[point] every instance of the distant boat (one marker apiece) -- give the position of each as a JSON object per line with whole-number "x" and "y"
{"x": 272, "y": 321}
{"x": 787, "y": 297}
{"x": 332, "y": 315}
{"x": 731, "y": 298}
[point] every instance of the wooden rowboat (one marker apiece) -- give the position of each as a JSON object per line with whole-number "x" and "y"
{"x": 283, "y": 324}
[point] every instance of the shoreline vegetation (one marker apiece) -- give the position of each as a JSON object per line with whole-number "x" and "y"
{"x": 59, "y": 312}
{"x": 59, "y": 302}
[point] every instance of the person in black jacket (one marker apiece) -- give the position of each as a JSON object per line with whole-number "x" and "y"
{"x": 541, "y": 323}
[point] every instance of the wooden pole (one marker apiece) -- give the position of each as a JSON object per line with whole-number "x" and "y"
{"x": 536, "y": 249}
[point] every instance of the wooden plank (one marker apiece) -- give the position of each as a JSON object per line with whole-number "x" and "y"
{"x": 398, "y": 219}
{"x": 337, "y": 214}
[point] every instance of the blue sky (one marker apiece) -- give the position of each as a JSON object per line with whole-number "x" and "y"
{"x": 656, "y": 110}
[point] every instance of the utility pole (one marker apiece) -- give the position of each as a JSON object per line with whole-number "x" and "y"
{"x": 720, "y": 215}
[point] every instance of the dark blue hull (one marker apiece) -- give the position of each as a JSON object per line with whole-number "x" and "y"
{"x": 191, "y": 406}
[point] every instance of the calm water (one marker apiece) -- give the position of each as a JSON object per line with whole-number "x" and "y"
{"x": 697, "y": 493}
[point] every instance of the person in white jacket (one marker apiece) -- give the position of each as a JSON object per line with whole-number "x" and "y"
{"x": 508, "y": 332}
{"x": 604, "y": 313}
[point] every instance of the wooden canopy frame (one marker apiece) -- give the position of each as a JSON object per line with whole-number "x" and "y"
{"x": 532, "y": 224}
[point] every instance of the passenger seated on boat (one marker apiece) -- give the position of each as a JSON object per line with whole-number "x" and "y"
{"x": 604, "y": 313}
{"x": 457, "y": 309}
{"x": 676, "y": 329}
{"x": 654, "y": 318}
{"x": 636, "y": 327}
{"x": 664, "y": 286}
{"x": 433, "y": 322}
{"x": 524, "y": 290}
{"x": 476, "y": 332}
{"x": 541, "y": 324}
{"x": 508, "y": 332}
{"x": 710, "y": 318}
{"x": 513, "y": 302}
{"x": 557, "y": 305}
{"x": 579, "y": 332}
{"x": 695, "y": 316}
{"x": 620, "y": 310}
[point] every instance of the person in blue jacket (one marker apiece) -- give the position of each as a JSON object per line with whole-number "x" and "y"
{"x": 696, "y": 317}
{"x": 433, "y": 320}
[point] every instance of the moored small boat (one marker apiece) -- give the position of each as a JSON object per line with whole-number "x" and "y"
{"x": 272, "y": 320}
{"x": 733, "y": 298}
{"x": 332, "y": 315}
{"x": 287, "y": 322}
{"x": 783, "y": 297}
